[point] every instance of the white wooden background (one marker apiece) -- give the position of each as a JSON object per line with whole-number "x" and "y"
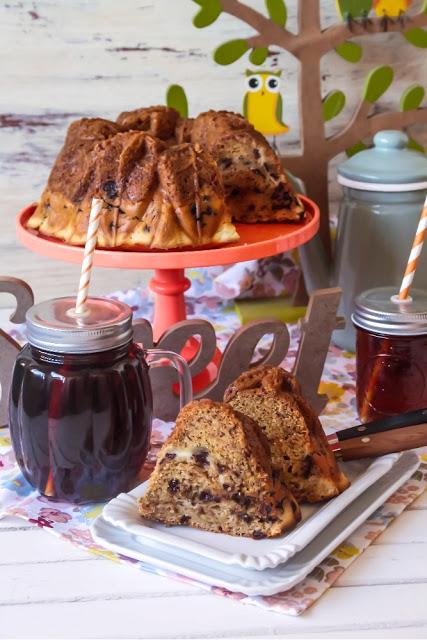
{"x": 61, "y": 59}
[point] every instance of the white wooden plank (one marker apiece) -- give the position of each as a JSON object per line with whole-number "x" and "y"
{"x": 24, "y": 583}
{"x": 409, "y": 528}
{"x": 387, "y": 564}
{"x": 36, "y": 546}
{"x": 205, "y": 616}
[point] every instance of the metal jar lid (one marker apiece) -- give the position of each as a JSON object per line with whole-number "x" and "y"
{"x": 378, "y": 311}
{"x": 53, "y": 325}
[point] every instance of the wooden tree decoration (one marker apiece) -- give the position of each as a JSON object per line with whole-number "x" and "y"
{"x": 308, "y": 46}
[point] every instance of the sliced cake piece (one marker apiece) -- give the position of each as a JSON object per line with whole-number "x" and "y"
{"x": 214, "y": 473}
{"x": 299, "y": 449}
{"x": 256, "y": 186}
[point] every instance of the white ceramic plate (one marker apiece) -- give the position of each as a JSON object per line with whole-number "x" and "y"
{"x": 247, "y": 553}
{"x": 269, "y": 581}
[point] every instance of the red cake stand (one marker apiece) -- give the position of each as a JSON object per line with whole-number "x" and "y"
{"x": 169, "y": 282}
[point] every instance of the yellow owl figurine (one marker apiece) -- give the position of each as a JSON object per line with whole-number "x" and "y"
{"x": 391, "y": 8}
{"x": 262, "y": 103}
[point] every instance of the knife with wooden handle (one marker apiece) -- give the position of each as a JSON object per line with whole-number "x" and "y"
{"x": 389, "y": 435}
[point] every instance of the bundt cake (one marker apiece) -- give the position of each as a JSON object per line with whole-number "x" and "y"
{"x": 256, "y": 186}
{"x": 158, "y": 121}
{"x": 167, "y": 182}
{"x": 154, "y": 196}
{"x": 214, "y": 473}
{"x": 299, "y": 448}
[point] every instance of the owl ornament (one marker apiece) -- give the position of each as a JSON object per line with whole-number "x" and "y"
{"x": 262, "y": 103}
{"x": 389, "y": 9}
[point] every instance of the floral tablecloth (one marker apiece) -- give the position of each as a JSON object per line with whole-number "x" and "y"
{"x": 73, "y": 522}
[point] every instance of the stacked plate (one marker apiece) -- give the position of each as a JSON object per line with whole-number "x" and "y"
{"x": 254, "y": 567}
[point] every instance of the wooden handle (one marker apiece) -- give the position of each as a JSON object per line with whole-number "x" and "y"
{"x": 378, "y": 444}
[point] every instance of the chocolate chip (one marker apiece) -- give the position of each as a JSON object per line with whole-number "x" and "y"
{"x": 226, "y": 487}
{"x": 258, "y": 535}
{"x": 279, "y": 505}
{"x": 173, "y": 485}
{"x": 271, "y": 519}
{"x": 265, "y": 509}
{"x": 246, "y": 518}
{"x": 257, "y": 154}
{"x": 241, "y": 499}
{"x": 206, "y": 496}
{"x": 170, "y": 456}
{"x": 225, "y": 163}
{"x": 201, "y": 458}
{"x": 221, "y": 468}
{"x": 307, "y": 465}
{"x": 184, "y": 519}
{"x": 110, "y": 188}
{"x": 235, "y": 192}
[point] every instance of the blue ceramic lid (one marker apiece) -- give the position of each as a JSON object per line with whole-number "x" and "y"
{"x": 387, "y": 166}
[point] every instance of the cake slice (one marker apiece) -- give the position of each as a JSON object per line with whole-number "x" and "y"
{"x": 300, "y": 452}
{"x": 256, "y": 186}
{"x": 214, "y": 473}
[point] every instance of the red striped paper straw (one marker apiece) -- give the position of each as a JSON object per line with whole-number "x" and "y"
{"x": 86, "y": 272}
{"x": 414, "y": 256}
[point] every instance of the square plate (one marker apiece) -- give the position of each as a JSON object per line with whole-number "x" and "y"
{"x": 248, "y": 553}
{"x": 269, "y": 581}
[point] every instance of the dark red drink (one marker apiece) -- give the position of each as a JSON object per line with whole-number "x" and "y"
{"x": 391, "y": 353}
{"x": 81, "y": 423}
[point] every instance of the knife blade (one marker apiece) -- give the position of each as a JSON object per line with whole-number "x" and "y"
{"x": 388, "y": 435}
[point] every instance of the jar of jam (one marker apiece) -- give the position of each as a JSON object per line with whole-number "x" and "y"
{"x": 80, "y": 404}
{"x": 391, "y": 353}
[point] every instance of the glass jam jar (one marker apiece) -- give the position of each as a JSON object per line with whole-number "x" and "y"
{"x": 391, "y": 353}
{"x": 80, "y": 404}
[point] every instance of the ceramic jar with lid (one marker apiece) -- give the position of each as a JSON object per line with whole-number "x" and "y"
{"x": 384, "y": 189}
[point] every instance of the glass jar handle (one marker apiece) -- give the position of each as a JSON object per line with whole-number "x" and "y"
{"x": 153, "y": 358}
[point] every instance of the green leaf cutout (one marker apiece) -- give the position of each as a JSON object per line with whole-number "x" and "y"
{"x": 412, "y": 97}
{"x": 176, "y": 98}
{"x": 350, "y": 51}
{"x": 355, "y": 148}
{"x": 333, "y": 104}
{"x": 257, "y": 56}
{"x": 417, "y": 37}
{"x": 229, "y": 52}
{"x": 277, "y": 11}
{"x": 209, "y": 12}
{"x": 415, "y": 146}
{"x": 377, "y": 83}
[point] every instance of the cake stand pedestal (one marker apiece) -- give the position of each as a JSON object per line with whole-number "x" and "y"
{"x": 169, "y": 282}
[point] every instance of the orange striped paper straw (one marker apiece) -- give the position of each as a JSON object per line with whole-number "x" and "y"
{"x": 414, "y": 256}
{"x": 86, "y": 272}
